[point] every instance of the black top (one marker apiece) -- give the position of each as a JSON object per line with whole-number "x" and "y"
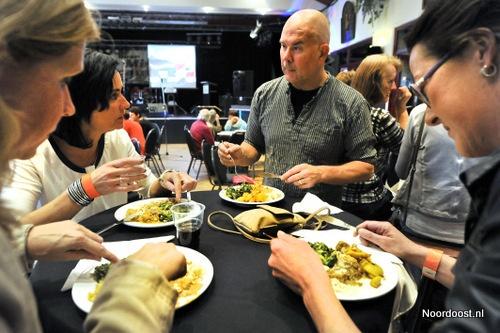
{"x": 477, "y": 274}
{"x": 301, "y": 98}
{"x": 243, "y": 295}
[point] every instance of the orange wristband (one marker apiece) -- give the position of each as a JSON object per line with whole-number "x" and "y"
{"x": 431, "y": 263}
{"x": 89, "y": 187}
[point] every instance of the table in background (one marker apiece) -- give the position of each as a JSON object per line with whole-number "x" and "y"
{"x": 243, "y": 296}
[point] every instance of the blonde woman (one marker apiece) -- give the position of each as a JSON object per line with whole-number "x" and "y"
{"x": 374, "y": 78}
{"x": 41, "y": 45}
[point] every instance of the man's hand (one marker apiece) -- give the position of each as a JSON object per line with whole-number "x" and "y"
{"x": 66, "y": 240}
{"x": 303, "y": 176}
{"x": 229, "y": 153}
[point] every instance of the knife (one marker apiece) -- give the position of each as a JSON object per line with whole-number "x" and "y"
{"x": 335, "y": 221}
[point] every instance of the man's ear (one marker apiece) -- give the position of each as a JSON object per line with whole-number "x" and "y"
{"x": 324, "y": 50}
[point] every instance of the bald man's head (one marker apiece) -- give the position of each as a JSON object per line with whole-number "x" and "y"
{"x": 312, "y": 23}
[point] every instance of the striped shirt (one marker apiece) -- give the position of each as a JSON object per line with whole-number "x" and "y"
{"x": 389, "y": 137}
{"x": 333, "y": 128}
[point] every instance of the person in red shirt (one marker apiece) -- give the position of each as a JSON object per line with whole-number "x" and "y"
{"x": 134, "y": 131}
{"x": 200, "y": 130}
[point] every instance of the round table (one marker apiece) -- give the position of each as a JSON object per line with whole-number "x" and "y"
{"x": 243, "y": 296}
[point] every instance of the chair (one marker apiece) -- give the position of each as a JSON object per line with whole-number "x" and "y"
{"x": 206, "y": 152}
{"x": 220, "y": 170}
{"x": 163, "y": 136}
{"x": 237, "y": 137}
{"x": 193, "y": 151}
{"x": 152, "y": 151}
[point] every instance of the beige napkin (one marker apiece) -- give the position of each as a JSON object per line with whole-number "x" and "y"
{"x": 120, "y": 249}
{"x": 310, "y": 203}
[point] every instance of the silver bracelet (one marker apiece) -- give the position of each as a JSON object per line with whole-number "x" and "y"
{"x": 77, "y": 194}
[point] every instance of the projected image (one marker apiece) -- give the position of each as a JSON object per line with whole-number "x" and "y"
{"x": 175, "y": 65}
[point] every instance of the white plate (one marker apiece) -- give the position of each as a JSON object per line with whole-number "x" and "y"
{"x": 122, "y": 211}
{"x": 85, "y": 284}
{"x": 365, "y": 291}
{"x": 277, "y": 195}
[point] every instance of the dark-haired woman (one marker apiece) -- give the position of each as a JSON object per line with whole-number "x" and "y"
{"x": 455, "y": 58}
{"x": 89, "y": 163}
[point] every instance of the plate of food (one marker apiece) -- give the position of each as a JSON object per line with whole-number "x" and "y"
{"x": 147, "y": 213}
{"x": 356, "y": 272}
{"x": 200, "y": 272}
{"x": 251, "y": 194}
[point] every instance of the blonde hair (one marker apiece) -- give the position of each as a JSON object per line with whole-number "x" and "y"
{"x": 32, "y": 31}
{"x": 346, "y": 76}
{"x": 367, "y": 79}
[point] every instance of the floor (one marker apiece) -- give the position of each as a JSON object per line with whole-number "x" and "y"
{"x": 178, "y": 158}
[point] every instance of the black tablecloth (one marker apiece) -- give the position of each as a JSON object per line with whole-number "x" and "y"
{"x": 243, "y": 296}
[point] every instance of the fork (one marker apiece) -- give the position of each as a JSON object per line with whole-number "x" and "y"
{"x": 234, "y": 162}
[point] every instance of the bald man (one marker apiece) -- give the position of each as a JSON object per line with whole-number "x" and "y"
{"x": 314, "y": 130}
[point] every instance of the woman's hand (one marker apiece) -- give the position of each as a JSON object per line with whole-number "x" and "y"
{"x": 123, "y": 175}
{"x": 65, "y": 240}
{"x": 295, "y": 263}
{"x": 165, "y": 257}
{"x": 387, "y": 237}
{"x": 177, "y": 182}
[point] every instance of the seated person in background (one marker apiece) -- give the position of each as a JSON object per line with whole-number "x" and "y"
{"x": 88, "y": 149}
{"x": 468, "y": 45}
{"x": 42, "y": 45}
{"x": 137, "y": 115}
{"x": 439, "y": 202}
{"x": 346, "y": 76}
{"x": 134, "y": 131}
{"x": 374, "y": 78}
{"x": 234, "y": 123}
{"x": 200, "y": 130}
{"x": 213, "y": 122}
{"x": 314, "y": 130}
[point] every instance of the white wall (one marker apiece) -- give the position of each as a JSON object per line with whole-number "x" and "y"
{"x": 396, "y": 13}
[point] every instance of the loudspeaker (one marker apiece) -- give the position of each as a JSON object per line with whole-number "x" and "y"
{"x": 242, "y": 83}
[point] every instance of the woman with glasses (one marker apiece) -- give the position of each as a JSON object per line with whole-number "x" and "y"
{"x": 375, "y": 78}
{"x": 455, "y": 54}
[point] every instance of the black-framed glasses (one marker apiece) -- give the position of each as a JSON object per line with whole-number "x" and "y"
{"x": 417, "y": 87}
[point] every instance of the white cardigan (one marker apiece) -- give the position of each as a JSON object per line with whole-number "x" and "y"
{"x": 45, "y": 176}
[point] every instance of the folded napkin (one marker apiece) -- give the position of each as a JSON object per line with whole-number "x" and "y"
{"x": 120, "y": 249}
{"x": 310, "y": 203}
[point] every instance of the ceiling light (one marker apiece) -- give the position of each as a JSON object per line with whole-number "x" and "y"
{"x": 207, "y": 9}
{"x": 145, "y": 8}
{"x": 263, "y": 11}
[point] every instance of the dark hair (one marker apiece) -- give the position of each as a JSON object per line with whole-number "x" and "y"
{"x": 233, "y": 113}
{"x": 126, "y": 115}
{"x": 135, "y": 110}
{"x": 91, "y": 90}
{"x": 445, "y": 25}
